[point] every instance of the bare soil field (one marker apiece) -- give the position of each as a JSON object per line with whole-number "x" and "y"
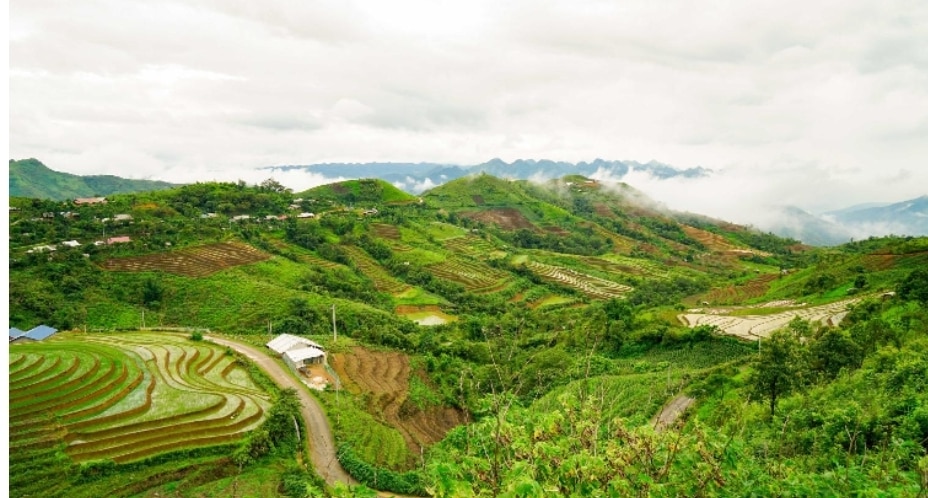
{"x": 200, "y": 261}
{"x": 505, "y": 218}
{"x": 384, "y": 376}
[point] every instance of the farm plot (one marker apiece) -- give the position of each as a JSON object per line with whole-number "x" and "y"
{"x": 386, "y": 231}
{"x": 754, "y": 327}
{"x": 383, "y": 281}
{"x": 882, "y": 262}
{"x": 198, "y": 261}
{"x": 384, "y": 377}
{"x": 125, "y": 397}
{"x": 505, "y": 218}
{"x": 733, "y": 294}
{"x": 474, "y": 276}
{"x": 595, "y": 287}
{"x": 470, "y": 245}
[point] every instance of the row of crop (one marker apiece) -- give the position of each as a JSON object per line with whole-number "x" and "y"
{"x": 592, "y": 286}
{"x": 95, "y": 392}
{"x": 382, "y": 280}
{"x": 195, "y": 262}
{"x": 91, "y": 448}
{"x": 35, "y": 402}
{"x": 45, "y": 378}
{"x": 126, "y": 428}
{"x": 17, "y": 381}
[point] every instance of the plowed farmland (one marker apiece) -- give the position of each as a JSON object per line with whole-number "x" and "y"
{"x": 200, "y": 261}
{"x": 121, "y": 397}
{"x": 382, "y": 279}
{"x": 474, "y": 276}
{"x": 384, "y": 377}
{"x": 505, "y": 218}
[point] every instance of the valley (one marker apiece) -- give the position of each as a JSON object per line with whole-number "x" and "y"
{"x": 485, "y": 335}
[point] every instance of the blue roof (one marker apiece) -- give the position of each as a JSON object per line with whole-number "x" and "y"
{"x": 15, "y": 332}
{"x": 41, "y": 332}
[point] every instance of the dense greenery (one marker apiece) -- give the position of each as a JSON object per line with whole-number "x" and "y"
{"x": 31, "y": 178}
{"x": 558, "y": 381}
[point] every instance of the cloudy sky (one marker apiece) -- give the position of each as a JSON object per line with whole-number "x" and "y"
{"x": 821, "y": 104}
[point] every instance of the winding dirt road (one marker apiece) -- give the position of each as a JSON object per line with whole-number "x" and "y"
{"x": 320, "y": 440}
{"x": 671, "y": 412}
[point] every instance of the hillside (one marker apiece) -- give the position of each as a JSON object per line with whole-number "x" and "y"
{"x": 31, "y": 178}
{"x": 364, "y": 192}
{"x": 570, "y": 310}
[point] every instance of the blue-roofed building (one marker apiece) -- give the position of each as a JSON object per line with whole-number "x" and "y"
{"x": 40, "y": 332}
{"x": 15, "y": 332}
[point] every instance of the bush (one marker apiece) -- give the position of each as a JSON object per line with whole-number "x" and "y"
{"x": 196, "y": 336}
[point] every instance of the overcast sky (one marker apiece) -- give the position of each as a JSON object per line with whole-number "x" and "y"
{"x": 821, "y": 104}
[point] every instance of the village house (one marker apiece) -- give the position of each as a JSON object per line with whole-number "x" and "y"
{"x": 36, "y": 334}
{"x": 306, "y": 215}
{"x": 297, "y": 352}
{"x": 71, "y": 243}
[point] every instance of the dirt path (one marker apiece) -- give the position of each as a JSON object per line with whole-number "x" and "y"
{"x": 671, "y": 412}
{"x": 321, "y": 442}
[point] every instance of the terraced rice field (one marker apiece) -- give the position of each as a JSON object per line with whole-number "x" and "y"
{"x": 473, "y": 275}
{"x": 882, "y": 262}
{"x": 754, "y": 327}
{"x": 386, "y": 231}
{"x": 742, "y": 292}
{"x": 383, "y": 281}
{"x": 122, "y": 397}
{"x": 200, "y": 261}
{"x": 384, "y": 377}
{"x": 470, "y": 245}
{"x": 595, "y": 287}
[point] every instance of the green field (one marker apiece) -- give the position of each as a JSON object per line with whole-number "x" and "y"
{"x": 79, "y": 398}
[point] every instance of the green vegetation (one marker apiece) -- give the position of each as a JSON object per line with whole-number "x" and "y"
{"x": 559, "y": 329}
{"x": 31, "y": 178}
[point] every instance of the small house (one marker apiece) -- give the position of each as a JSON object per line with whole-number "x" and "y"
{"x": 71, "y": 243}
{"x": 241, "y": 217}
{"x": 122, "y": 217}
{"x": 118, "y": 240}
{"x": 306, "y": 215}
{"x": 301, "y": 358}
{"x": 36, "y": 334}
{"x": 15, "y": 333}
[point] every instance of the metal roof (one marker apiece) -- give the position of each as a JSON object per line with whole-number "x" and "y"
{"x": 15, "y": 332}
{"x": 286, "y": 342}
{"x": 41, "y": 332}
{"x": 298, "y": 355}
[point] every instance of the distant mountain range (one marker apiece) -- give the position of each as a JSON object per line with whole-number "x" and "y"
{"x": 418, "y": 177}
{"x": 909, "y": 217}
{"x": 31, "y": 178}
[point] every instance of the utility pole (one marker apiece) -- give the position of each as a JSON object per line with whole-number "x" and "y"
{"x": 334, "y": 330}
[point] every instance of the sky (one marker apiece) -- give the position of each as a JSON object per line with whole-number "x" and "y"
{"x": 819, "y": 104}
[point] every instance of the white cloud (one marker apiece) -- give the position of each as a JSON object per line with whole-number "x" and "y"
{"x": 825, "y": 104}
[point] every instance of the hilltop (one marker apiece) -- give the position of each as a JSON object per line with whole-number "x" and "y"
{"x": 366, "y": 192}
{"x": 31, "y": 178}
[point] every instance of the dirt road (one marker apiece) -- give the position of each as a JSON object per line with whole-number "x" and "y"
{"x": 321, "y": 442}
{"x": 671, "y": 412}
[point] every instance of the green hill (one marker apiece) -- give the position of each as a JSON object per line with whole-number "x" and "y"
{"x": 31, "y": 178}
{"x": 366, "y": 192}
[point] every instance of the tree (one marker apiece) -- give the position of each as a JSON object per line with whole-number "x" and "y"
{"x": 834, "y": 350}
{"x": 915, "y": 286}
{"x": 777, "y": 367}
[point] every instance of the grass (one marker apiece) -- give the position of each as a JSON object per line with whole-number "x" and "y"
{"x": 375, "y": 442}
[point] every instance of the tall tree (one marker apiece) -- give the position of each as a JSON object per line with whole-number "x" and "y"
{"x": 777, "y": 367}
